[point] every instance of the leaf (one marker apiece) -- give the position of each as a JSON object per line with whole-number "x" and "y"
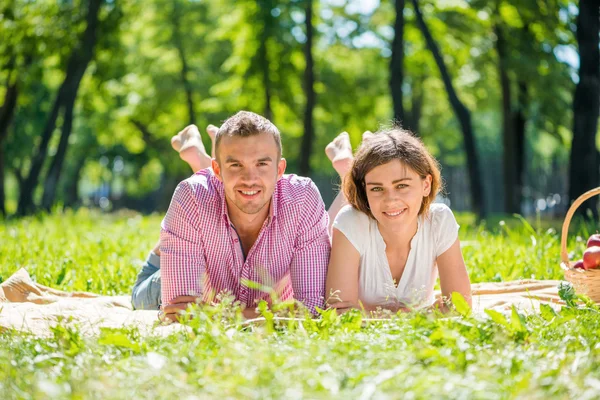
{"x": 547, "y": 312}
{"x": 567, "y": 293}
{"x": 461, "y": 305}
{"x": 61, "y": 275}
{"x": 119, "y": 339}
{"x": 497, "y": 317}
{"x": 517, "y": 322}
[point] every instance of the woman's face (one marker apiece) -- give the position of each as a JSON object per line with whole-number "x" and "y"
{"x": 395, "y": 193}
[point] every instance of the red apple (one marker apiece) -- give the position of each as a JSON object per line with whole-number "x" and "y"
{"x": 579, "y": 265}
{"x": 591, "y": 257}
{"x": 594, "y": 240}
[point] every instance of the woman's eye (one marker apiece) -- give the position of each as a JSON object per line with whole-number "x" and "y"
{"x": 402, "y": 186}
{"x": 376, "y": 189}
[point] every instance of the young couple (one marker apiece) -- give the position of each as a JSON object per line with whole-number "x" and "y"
{"x": 239, "y": 219}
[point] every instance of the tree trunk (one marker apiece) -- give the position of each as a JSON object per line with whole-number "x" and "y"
{"x": 263, "y": 55}
{"x": 2, "y": 188}
{"x": 72, "y": 189}
{"x": 51, "y": 182}
{"x": 176, "y": 20}
{"x": 512, "y": 196}
{"x": 413, "y": 116}
{"x": 397, "y": 65}
{"x": 7, "y": 111}
{"x": 463, "y": 115}
{"x": 583, "y": 169}
{"x": 309, "y": 80}
{"x": 78, "y": 62}
{"x": 520, "y": 121}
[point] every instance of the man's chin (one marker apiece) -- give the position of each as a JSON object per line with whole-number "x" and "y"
{"x": 251, "y": 208}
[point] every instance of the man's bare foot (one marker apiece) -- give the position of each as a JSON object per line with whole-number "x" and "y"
{"x": 339, "y": 152}
{"x": 367, "y": 135}
{"x": 191, "y": 149}
{"x": 212, "y": 132}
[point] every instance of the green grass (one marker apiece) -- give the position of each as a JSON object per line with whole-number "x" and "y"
{"x": 409, "y": 356}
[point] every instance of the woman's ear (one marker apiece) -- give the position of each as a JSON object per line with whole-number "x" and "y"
{"x": 427, "y": 185}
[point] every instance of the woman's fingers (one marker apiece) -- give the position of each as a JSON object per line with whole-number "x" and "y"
{"x": 342, "y": 304}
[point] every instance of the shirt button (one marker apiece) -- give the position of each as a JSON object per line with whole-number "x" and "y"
{"x": 235, "y": 240}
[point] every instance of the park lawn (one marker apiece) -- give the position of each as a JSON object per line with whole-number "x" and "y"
{"x": 408, "y": 356}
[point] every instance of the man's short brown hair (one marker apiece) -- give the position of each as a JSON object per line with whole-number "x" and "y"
{"x": 385, "y": 146}
{"x": 244, "y": 124}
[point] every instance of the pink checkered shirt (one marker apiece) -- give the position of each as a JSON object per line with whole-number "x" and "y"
{"x": 201, "y": 254}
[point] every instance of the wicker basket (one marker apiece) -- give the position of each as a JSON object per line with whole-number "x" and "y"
{"x": 585, "y": 282}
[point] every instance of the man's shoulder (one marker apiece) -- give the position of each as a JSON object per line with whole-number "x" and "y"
{"x": 294, "y": 189}
{"x": 203, "y": 185}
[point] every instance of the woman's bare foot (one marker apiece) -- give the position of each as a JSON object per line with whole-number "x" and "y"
{"x": 339, "y": 152}
{"x": 212, "y": 132}
{"x": 191, "y": 149}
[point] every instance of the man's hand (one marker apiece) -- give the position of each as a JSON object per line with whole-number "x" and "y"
{"x": 172, "y": 312}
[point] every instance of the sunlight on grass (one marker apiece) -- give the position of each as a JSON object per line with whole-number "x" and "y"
{"x": 220, "y": 356}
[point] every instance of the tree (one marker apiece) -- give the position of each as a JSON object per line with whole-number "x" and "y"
{"x": 178, "y": 42}
{"x": 309, "y": 90}
{"x": 397, "y": 64}
{"x": 6, "y": 115}
{"x": 65, "y": 100}
{"x": 462, "y": 113}
{"x": 583, "y": 168}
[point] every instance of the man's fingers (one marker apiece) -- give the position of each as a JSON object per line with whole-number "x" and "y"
{"x": 185, "y": 299}
{"x": 173, "y": 308}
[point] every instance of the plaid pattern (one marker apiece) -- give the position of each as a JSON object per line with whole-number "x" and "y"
{"x": 201, "y": 254}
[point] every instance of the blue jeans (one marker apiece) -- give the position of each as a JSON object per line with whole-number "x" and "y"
{"x": 146, "y": 290}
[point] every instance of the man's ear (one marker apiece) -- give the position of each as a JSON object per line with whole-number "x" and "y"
{"x": 216, "y": 169}
{"x": 281, "y": 167}
{"x": 427, "y": 185}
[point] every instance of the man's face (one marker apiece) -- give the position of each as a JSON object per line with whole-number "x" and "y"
{"x": 249, "y": 168}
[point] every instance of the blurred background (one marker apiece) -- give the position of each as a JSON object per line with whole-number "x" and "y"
{"x": 505, "y": 93}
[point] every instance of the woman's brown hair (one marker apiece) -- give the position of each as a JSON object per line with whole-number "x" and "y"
{"x": 381, "y": 148}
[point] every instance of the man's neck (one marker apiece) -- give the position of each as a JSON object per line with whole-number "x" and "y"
{"x": 247, "y": 224}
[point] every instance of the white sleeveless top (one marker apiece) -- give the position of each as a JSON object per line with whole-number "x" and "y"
{"x": 435, "y": 234}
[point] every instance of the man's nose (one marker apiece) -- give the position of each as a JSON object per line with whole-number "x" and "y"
{"x": 250, "y": 174}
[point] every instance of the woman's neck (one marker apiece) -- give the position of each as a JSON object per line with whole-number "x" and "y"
{"x": 398, "y": 238}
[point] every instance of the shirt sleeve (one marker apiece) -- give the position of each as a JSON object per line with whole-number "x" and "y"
{"x": 182, "y": 257}
{"x": 353, "y": 224}
{"x": 308, "y": 269}
{"x": 445, "y": 229}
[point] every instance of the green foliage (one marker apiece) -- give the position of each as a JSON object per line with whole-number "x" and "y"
{"x": 422, "y": 355}
{"x": 135, "y": 80}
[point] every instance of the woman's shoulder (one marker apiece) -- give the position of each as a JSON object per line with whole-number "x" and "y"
{"x": 349, "y": 214}
{"x": 439, "y": 212}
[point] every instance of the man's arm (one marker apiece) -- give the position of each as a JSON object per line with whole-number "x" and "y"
{"x": 182, "y": 258}
{"x": 308, "y": 269}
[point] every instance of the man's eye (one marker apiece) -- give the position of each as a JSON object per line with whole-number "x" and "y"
{"x": 235, "y": 165}
{"x": 262, "y": 164}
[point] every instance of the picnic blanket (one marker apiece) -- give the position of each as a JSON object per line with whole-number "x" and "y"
{"x": 30, "y": 307}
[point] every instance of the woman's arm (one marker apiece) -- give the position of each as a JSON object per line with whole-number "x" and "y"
{"x": 342, "y": 273}
{"x": 453, "y": 275}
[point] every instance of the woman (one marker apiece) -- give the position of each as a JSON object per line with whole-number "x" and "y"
{"x": 390, "y": 243}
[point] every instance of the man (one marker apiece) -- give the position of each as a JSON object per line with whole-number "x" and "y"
{"x": 242, "y": 221}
